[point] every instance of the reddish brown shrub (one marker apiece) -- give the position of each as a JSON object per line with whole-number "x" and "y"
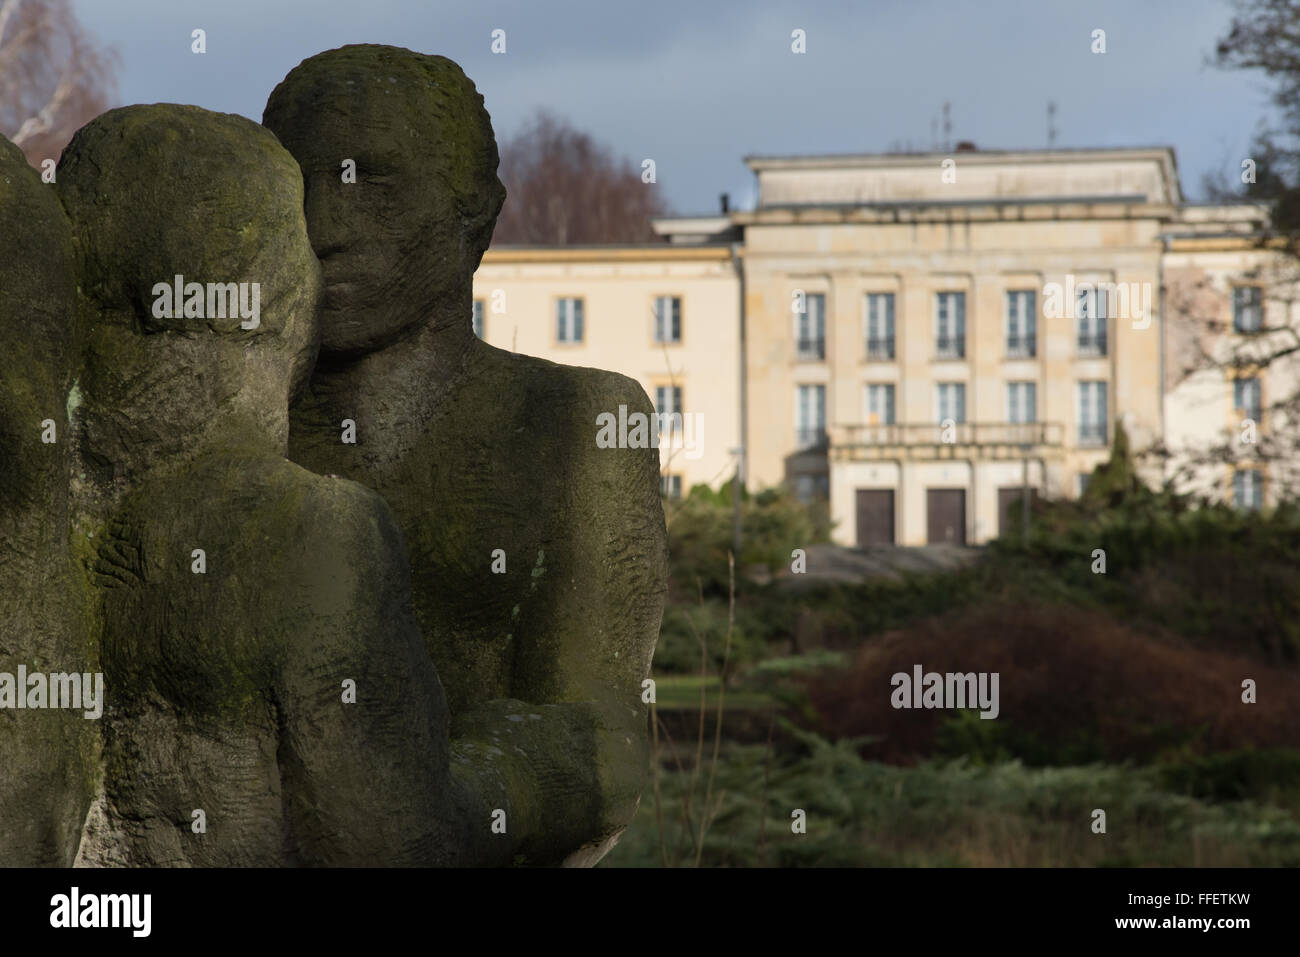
{"x": 1073, "y": 685}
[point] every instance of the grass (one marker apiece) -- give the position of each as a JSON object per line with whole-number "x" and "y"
{"x": 948, "y": 814}
{"x": 1121, "y": 692}
{"x": 683, "y": 693}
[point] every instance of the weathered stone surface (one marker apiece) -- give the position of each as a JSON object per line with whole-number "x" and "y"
{"x": 476, "y": 449}
{"x": 46, "y": 756}
{"x": 226, "y": 686}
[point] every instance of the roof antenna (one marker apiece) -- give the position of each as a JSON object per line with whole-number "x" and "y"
{"x": 947, "y": 126}
{"x": 1051, "y": 123}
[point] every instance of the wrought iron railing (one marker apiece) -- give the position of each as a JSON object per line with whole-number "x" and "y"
{"x": 812, "y": 348}
{"x": 811, "y": 438}
{"x": 1092, "y": 344}
{"x": 1021, "y": 347}
{"x": 881, "y": 347}
{"x": 950, "y": 347}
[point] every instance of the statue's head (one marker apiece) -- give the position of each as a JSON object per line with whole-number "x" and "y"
{"x": 407, "y": 235}
{"x": 37, "y": 306}
{"x": 157, "y": 192}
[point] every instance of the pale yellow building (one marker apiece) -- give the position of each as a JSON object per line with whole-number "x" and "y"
{"x": 912, "y": 336}
{"x": 667, "y": 316}
{"x": 1224, "y": 292}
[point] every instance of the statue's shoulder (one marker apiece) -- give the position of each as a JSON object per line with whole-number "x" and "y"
{"x": 575, "y": 393}
{"x": 562, "y": 415}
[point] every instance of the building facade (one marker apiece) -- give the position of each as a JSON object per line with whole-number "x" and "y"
{"x": 922, "y": 339}
{"x": 664, "y": 315}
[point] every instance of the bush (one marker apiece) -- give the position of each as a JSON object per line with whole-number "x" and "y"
{"x": 686, "y": 625}
{"x": 1075, "y": 686}
{"x": 1272, "y": 773}
{"x": 860, "y": 813}
{"x": 701, "y": 529}
{"x": 1228, "y": 577}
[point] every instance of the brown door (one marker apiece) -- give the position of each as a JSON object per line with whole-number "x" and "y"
{"x": 875, "y": 516}
{"x": 946, "y": 515}
{"x": 1009, "y": 505}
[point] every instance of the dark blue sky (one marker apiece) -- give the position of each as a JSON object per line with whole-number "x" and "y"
{"x": 697, "y": 85}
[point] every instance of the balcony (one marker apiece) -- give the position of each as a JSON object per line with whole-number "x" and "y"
{"x": 950, "y": 347}
{"x": 881, "y": 349}
{"x": 925, "y": 441}
{"x": 811, "y": 349}
{"x": 1022, "y": 347}
{"x": 1092, "y": 344}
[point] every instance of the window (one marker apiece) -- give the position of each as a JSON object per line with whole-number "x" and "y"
{"x": 1090, "y": 317}
{"x": 670, "y": 485}
{"x": 952, "y": 402}
{"x": 950, "y": 325}
{"x": 1248, "y": 488}
{"x": 1083, "y": 481}
{"x": 668, "y": 406}
{"x": 568, "y": 320}
{"x": 810, "y": 415}
{"x": 668, "y": 319}
{"x": 478, "y": 318}
{"x": 880, "y": 404}
{"x": 1022, "y": 402}
{"x": 810, "y": 487}
{"x": 880, "y": 325}
{"x": 1246, "y": 397}
{"x": 810, "y": 327}
{"x": 1247, "y": 314}
{"x": 1092, "y": 413}
{"x": 1022, "y": 321}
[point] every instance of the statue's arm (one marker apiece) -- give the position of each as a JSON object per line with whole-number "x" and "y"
{"x": 575, "y": 766}
{"x": 363, "y": 748}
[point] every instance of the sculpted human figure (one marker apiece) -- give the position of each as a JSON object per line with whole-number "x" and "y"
{"x": 538, "y": 560}
{"x": 240, "y": 594}
{"x": 46, "y": 754}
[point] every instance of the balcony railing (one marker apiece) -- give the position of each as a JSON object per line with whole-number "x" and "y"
{"x": 1021, "y": 347}
{"x": 811, "y": 348}
{"x": 1092, "y": 344}
{"x": 929, "y": 440}
{"x": 881, "y": 348}
{"x": 950, "y": 347}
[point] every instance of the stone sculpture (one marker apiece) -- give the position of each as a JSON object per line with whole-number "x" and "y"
{"x": 417, "y": 636}
{"x": 485, "y": 456}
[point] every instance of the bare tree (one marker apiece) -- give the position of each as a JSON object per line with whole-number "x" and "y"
{"x": 53, "y": 78}
{"x": 564, "y": 188}
{"x": 1264, "y": 35}
{"x": 1203, "y": 341}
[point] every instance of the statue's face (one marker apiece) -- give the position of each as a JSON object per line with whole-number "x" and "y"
{"x": 399, "y": 165}
{"x": 388, "y": 244}
{"x": 164, "y": 190}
